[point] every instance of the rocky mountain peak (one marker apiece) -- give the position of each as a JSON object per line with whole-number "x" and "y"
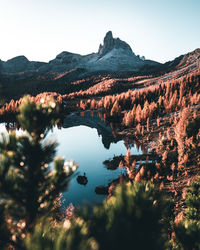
{"x": 110, "y": 43}
{"x": 108, "y": 39}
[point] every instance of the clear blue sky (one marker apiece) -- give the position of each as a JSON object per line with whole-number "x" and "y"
{"x": 40, "y": 29}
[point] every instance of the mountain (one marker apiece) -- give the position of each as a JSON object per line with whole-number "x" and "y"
{"x": 114, "y": 55}
{"x": 69, "y": 72}
{"x": 20, "y": 64}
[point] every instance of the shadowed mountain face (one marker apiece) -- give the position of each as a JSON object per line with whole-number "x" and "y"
{"x": 92, "y": 121}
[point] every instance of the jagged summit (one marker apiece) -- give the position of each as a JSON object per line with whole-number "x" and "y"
{"x": 110, "y": 43}
{"x": 113, "y": 56}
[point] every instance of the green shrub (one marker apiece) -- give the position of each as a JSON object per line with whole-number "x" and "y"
{"x": 188, "y": 230}
{"x": 72, "y": 235}
{"x": 136, "y": 217}
{"x": 29, "y": 186}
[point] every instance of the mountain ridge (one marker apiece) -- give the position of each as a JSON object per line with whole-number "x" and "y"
{"x": 114, "y": 55}
{"x": 70, "y": 72}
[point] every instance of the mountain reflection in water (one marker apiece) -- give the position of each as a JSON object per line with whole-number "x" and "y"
{"x": 92, "y": 121}
{"x": 88, "y": 141}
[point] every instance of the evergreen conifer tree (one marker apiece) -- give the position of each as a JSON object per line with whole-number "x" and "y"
{"x": 138, "y": 216}
{"x": 70, "y": 235}
{"x": 29, "y": 186}
{"x": 188, "y": 230}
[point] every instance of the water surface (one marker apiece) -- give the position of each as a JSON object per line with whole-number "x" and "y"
{"x": 87, "y": 147}
{"x": 83, "y": 145}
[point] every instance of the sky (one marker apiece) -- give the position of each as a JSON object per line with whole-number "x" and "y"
{"x": 160, "y": 30}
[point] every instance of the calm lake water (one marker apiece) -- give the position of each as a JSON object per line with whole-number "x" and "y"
{"x": 84, "y": 145}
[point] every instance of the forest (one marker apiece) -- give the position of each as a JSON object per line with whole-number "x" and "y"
{"x": 154, "y": 204}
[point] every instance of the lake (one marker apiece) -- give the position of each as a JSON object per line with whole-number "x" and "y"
{"x": 89, "y": 142}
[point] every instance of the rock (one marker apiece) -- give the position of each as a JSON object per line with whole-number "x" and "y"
{"x": 110, "y": 43}
{"x": 101, "y": 190}
{"x": 82, "y": 179}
